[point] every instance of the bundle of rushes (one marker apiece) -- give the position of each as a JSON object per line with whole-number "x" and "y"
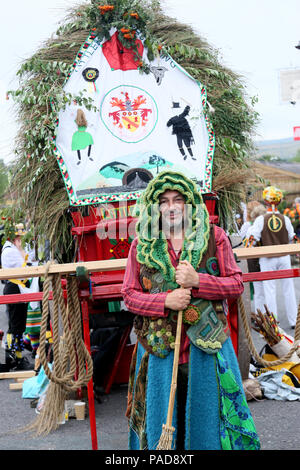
{"x": 37, "y": 184}
{"x": 266, "y": 324}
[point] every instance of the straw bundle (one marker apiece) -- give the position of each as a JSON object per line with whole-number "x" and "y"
{"x": 266, "y": 324}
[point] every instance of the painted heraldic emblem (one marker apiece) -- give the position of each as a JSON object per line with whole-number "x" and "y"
{"x": 129, "y": 113}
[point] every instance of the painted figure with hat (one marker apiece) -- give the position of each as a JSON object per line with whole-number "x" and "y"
{"x": 182, "y": 130}
{"x": 14, "y": 256}
{"x": 274, "y": 228}
{"x": 181, "y": 266}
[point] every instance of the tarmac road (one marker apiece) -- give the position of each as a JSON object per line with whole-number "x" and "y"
{"x": 277, "y": 422}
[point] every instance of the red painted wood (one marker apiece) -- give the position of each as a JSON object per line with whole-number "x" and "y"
{"x": 90, "y": 387}
{"x": 267, "y": 275}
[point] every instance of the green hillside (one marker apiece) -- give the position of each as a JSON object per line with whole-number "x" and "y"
{"x": 285, "y": 149}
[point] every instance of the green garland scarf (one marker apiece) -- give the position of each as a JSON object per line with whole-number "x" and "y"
{"x": 152, "y": 248}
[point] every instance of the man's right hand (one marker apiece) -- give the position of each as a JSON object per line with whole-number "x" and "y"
{"x": 178, "y": 299}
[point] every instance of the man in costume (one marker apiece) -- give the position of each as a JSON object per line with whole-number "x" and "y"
{"x": 179, "y": 262}
{"x": 14, "y": 256}
{"x": 254, "y": 209}
{"x": 274, "y": 228}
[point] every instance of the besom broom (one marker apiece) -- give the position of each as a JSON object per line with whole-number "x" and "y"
{"x": 166, "y": 438}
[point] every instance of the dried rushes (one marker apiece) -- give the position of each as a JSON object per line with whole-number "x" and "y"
{"x": 266, "y": 324}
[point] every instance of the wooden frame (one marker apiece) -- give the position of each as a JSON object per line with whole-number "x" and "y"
{"x": 120, "y": 264}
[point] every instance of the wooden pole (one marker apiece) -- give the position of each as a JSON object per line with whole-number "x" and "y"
{"x": 175, "y": 371}
{"x": 70, "y": 268}
{"x": 267, "y": 251}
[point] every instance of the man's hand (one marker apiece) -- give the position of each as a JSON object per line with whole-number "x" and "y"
{"x": 178, "y": 299}
{"x": 186, "y": 276}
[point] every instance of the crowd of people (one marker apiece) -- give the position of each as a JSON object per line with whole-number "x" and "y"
{"x": 266, "y": 226}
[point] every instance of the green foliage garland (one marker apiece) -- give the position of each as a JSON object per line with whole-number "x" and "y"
{"x": 9, "y": 217}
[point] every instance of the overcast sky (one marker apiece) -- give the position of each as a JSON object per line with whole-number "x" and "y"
{"x": 256, "y": 38}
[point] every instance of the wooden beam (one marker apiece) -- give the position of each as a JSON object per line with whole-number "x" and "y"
{"x": 267, "y": 251}
{"x": 70, "y": 268}
{"x": 17, "y": 374}
{"x": 16, "y": 386}
{"x": 120, "y": 264}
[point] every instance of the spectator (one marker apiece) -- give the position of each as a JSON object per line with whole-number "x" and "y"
{"x": 274, "y": 228}
{"x": 14, "y": 256}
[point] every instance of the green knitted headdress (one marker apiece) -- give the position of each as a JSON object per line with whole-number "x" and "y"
{"x": 152, "y": 248}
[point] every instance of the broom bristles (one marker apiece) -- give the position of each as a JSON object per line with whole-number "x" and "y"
{"x": 166, "y": 438}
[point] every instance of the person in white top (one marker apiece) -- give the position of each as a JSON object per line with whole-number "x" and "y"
{"x": 254, "y": 264}
{"x": 14, "y": 256}
{"x": 274, "y": 228}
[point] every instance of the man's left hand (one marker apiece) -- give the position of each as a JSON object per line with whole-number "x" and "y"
{"x": 186, "y": 276}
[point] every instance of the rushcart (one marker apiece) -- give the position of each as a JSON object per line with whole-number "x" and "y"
{"x": 120, "y": 93}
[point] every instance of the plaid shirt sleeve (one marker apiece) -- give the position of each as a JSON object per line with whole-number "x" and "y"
{"x": 229, "y": 284}
{"x": 136, "y": 300}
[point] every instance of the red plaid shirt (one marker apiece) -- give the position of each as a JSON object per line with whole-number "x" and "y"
{"x": 228, "y": 285}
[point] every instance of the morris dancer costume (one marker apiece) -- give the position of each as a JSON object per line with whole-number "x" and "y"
{"x": 13, "y": 257}
{"x": 216, "y": 414}
{"x": 275, "y": 229}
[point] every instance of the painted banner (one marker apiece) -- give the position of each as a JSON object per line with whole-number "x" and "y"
{"x": 144, "y": 123}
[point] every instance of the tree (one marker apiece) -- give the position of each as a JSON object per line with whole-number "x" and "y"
{"x": 156, "y": 161}
{"x": 269, "y": 158}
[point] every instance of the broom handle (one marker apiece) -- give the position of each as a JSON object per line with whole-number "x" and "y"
{"x": 175, "y": 371}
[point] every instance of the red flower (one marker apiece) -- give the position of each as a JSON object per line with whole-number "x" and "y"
{"x": 104, "y": 8}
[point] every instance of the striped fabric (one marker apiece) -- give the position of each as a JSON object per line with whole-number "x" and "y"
{"x": 33, "y": 326}
{"x": 228, "y": 285}
{"x": 33, "y": 322}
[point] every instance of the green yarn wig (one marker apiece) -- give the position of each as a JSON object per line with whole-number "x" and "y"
{"x": 152, "y": 248}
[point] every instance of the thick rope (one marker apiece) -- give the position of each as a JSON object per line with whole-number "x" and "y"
{"x": 76, "y": 353}
{"x": 72, "y": 363}
{"x": 251, "y": 346}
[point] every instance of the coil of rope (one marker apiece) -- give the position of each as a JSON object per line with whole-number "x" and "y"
{"x": 259, "y": 359}
{"x": 72, "y": 364}
{"x": 76, "y": 354}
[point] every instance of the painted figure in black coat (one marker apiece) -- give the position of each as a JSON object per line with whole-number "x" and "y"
{"x": 182, "y": 130}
